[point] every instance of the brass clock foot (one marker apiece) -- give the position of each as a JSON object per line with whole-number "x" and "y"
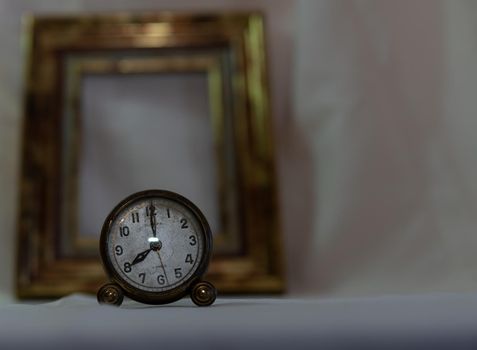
{"x": 110, "y": 294}
{"x": 203, "y": 294}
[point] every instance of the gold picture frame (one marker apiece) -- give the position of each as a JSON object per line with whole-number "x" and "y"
{"x": 53, "y": 258}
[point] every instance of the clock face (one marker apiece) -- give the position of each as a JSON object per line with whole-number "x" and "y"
{"x": 155, "y": 244}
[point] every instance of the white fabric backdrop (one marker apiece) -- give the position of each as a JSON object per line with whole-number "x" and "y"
{"x": 385, "y": 101}
{"x": 375, "y": 121}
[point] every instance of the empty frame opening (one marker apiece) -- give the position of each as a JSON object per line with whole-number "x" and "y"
{"x": 144, "y": 131}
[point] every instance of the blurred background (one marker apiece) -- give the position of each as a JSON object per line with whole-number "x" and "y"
{"x": 374, "y": 109}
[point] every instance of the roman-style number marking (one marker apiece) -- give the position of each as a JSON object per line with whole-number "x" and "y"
{"x": 124, "y": 231}
{"x": 135, "y": 217}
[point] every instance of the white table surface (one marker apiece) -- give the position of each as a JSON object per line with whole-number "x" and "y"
{"x": 438, "y": 321}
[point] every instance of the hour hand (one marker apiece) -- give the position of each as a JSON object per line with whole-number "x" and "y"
{"x": 141, "y": 256}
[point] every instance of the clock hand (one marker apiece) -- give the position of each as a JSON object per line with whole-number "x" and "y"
{"x": 152, "y": 218}
{"x": 162, "y": 265}
{"x": 141, "y": 256}
{"x": 152, "y": 213}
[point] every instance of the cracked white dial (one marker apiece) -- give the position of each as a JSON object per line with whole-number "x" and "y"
{"x": 155, "y": 244}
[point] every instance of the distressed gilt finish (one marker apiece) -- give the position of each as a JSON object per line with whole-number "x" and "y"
{"x": 48, "y": 176}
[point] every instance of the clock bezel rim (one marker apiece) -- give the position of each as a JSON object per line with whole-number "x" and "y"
{"x": 159, "y": 297}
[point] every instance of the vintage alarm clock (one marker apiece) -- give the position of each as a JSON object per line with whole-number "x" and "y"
{"x": 155, "y": 246}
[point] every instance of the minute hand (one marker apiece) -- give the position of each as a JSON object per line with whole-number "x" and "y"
{"x": 152, "y": 218}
